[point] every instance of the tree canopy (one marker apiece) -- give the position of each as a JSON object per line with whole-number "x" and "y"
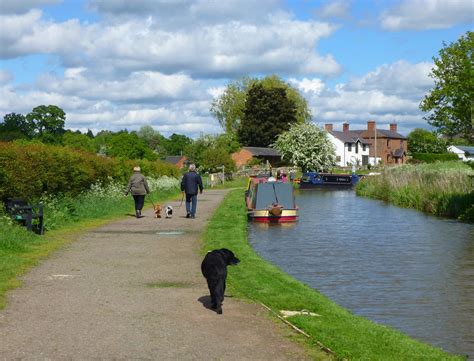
{"x": 268, "y": 113}
{"x": 47, "y": 120}
{"x": 306, "y": 146}
{"x": 229, "y": 108}
{"x": 424, "y": 141}
{"x": 450, "y": 103}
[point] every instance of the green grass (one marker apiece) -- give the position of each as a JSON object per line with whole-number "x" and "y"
{"x": 443, "y": 188}
{"x": 21, "y": 250}
{"x": 254, "y": 279}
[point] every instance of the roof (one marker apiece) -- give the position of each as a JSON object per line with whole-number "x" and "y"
{"x": 390, "y": 134}
{"x": 173, "y": 159}
{"x": 351, "y": 136}
{"x": 262, "y": 152}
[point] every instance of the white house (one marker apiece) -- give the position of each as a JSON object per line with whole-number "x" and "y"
{"x": 465, "y": 153}
{"x": 350, "y": 147}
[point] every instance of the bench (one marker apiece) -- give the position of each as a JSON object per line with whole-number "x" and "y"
{"x": 30, "y": 216}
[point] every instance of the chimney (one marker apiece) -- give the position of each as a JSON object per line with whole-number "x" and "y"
{"x": 371, "y": 125}
{"x": 345, "y": 127}
{"x": 328, "y": 127}
{"x": 393, "y": 127}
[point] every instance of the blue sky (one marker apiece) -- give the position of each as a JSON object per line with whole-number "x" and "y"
{"x": 112, "y": 64}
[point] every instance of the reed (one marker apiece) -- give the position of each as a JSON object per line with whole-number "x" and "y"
{"x": 444, "y": 189}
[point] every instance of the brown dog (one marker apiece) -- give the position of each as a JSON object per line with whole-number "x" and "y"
{"x": 157, "y": 211}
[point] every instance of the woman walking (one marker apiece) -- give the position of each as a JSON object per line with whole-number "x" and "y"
{"x": 138, "y": 186}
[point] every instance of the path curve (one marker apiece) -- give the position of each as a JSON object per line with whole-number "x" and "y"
{"x": 132, "y": 289}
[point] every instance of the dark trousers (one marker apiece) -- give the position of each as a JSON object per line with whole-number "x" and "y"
{"x": 139, "y": 201}
{"x": 191, "y": 204}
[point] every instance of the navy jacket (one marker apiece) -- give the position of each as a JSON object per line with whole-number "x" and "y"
{"x": 190, "y": 183}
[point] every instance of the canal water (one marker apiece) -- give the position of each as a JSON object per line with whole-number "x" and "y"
{"x": 395, "y": 266}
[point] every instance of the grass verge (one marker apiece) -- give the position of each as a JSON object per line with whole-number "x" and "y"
{"x": 21, "y": 250}
{"x": 349, "y": 336}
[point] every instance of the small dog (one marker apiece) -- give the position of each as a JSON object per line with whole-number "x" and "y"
{"x": 157, "y": 210}
{"x": 214, "y": 269}
{"x": 169, "y": 211}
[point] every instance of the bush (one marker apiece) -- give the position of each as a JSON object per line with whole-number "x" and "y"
{"x": 29, "y": 170}
{"x": 434, "y": 157}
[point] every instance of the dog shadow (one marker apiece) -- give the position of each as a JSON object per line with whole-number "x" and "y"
{"x": 207, "y": 302}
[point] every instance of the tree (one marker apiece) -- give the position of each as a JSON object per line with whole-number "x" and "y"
{"x": 76, "y": 140}
{"x": 213, "y": 158}
{"x": 47, "y": 121}
{"x": 176, "y": 144}
{"x": 15, "y": 126}
{"x": 152, "y": 138}
{"x": 127, "y": 145}
{"x": 424, "y": 141}
{"x": 306, "y": 146}
{"x": 229, "y": 108}
{"x": 268, "y": 113}
{"x": 450, "y": 103}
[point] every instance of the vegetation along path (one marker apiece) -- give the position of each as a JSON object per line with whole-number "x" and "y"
{"x": 132, "y": 289}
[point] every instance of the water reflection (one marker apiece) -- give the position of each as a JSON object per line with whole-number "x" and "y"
{"x": 395, "y": 266}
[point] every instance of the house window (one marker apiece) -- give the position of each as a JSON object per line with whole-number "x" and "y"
{"x": 364, "y": 147}
{"x": 357, "y": 147}
{"x": 388, "y": 143}
{"x": 349, "y": 147}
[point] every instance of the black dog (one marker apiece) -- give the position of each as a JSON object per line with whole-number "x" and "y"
{"x": 214, "y": 268}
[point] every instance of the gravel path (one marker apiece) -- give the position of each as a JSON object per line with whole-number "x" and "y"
{"x": 132, "y": 290}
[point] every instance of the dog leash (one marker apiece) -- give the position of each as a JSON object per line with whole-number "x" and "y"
{"x": 182, "y": 199}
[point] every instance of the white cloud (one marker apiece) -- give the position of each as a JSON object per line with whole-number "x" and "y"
{"x": 315, "y": 86}
{"x": 427, "y": 14}
{"x": 334, "y": 9}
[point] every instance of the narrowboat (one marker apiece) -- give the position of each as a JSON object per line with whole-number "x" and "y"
{"x": 270, "y": 201}
{"x": 315, "y": 179}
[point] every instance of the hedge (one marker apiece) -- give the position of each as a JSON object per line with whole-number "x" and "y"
{"x": 29, "y": 170}
{"x": 434, "y": 157}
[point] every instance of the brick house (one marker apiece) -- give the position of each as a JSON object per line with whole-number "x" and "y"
{"x": 387, "y": 146}
{"x": 179, "y": 161}
{"x": 242, "y": 156}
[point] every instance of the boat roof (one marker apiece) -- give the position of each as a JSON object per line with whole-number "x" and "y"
{"x": 274, "y": 192}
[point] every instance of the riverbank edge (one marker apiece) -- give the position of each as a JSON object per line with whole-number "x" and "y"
{"x": 256, "y": 280}
{"x": 54, "y": 240}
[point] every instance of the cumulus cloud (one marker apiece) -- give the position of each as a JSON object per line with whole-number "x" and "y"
{"x": 278, "y": 43}
{"x": 427, "y": 14}
{"x": 390, "y": 93}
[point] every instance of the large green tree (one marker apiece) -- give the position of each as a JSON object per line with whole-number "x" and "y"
{"x": 306, "y": 146}
{"x": 268, "y": 113}
{"x": 15, "y": 126}
{"x": 424, "y": 141}
{"x": 229, "y": 108}
{"x": 450, "y": 103}
{"x": 47, "y": 121}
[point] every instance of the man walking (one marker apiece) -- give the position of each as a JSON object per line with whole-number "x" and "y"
{"x": 189, "y": 184}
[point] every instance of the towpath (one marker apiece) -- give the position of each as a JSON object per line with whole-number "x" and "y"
{"x": 132, "y": 290}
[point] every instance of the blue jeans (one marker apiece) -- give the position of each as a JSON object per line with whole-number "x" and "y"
{"x": 191, "y": 204}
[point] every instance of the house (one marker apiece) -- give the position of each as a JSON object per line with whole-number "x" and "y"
{"x": 350, "y": 147}
{"x": 179, "y": 161}
{"x": 386, "y": 146}
{"x": 464, "y": 152}
{"x": 245, "y": 154}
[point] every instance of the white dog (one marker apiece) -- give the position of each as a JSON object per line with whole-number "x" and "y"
{"x": 169, "y": 211}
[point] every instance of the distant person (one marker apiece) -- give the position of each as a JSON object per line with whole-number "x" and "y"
{"x": 292, "y": 175}
{"x": 278, "y": 175}
{"x": 138, "y": 186}
{"x": 190, "y": 184}
{"x": 284, "y": 177}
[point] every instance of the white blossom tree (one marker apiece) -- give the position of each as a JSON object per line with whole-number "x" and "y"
{"x": 306, "y": 146}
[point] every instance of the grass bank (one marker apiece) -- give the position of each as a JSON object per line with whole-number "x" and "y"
{"x": 443, "y": 189}
{"x": 64, "y": 218}
{"x": 254, "y": 279}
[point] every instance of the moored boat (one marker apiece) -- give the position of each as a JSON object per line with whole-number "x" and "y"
{"x": 316, "y": 179}
{"x": 270, "y": 201}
